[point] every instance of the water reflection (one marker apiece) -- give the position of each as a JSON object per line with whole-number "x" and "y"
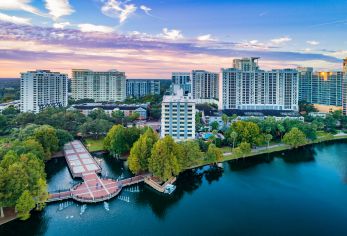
{"x": 282, "y": 189}
{"x": 303, "y": 154}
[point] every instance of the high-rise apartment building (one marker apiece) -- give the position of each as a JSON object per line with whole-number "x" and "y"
{"x": 205, "y": 85}
{"x": 344, "y": 87}
{"x": 104, "y": 86}
{"x": 178, "y": 115}
{"x": 320, "y": 88}
{"x": 246, "y": 87}
{"x": 141, "y": 87}
{"x": 42, "y": 88}
{"x": 183, "y": 79}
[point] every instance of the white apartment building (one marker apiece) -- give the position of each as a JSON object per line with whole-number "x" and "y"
{"x": 183, "y": 79}
{"x": 246, "y": 87}
{"x": 104, "y": 86}
{"x": 205, "y": 85}
{"x": 178, "y": 116}
{"x": 42, "y": 88}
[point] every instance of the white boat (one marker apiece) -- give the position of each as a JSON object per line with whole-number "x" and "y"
{"x": 83, "y": 209}
{"x": 169, "y": 188}
{"x": 106, "y": 206}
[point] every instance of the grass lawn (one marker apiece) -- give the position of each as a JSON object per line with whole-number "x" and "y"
{"x": 94, "y": 145}
{"x": 321, "y": 137}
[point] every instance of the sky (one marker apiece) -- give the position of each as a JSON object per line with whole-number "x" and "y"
{"x": 151, "y": 39}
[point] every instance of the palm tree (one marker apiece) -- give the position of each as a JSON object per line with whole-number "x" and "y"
{"x": 233, "y": 137}
{"x": 268, "y": 138}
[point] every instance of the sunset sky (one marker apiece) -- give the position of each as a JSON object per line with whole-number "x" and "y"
{"x": 151, "y": 39}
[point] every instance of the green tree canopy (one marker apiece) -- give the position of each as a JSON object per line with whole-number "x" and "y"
{"x": 247, "y": 131}
{"x": 214, "y": 154}
{"x": 47, "y": 136}
{"x": 24, "y": 205}
{"x": 119, "y": 139}
{"x": 163, "y": 162}
{"x": 294, "y": 138}
{"x": 189, "y": 154}
{"x": 141, "y": 151}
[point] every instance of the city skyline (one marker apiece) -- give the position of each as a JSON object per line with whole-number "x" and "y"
{"x": 148, "y": 39}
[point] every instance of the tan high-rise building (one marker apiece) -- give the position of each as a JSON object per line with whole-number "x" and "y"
{"x": 104, "y": 86}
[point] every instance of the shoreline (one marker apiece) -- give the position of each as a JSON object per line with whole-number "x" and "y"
{"x": 228, "y": 156}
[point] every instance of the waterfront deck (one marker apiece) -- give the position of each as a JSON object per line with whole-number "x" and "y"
{"x": 93, "y": 188}
{"x": 79, "y": 160}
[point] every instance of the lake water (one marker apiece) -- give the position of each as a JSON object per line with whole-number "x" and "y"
{"x": 302, "y": 192}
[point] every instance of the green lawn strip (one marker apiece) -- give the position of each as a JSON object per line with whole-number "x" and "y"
{"x": 94, "y": 145}
{"x": 323, "y": 137}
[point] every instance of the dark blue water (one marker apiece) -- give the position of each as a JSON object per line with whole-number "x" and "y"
{"x": 302, "y": 192}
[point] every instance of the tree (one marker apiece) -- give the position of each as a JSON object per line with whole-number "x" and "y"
{"x": 98, "y": 114}
{"x": 17, "y": 182}
{"x": 215, "y": 125}
{"x": 47, "y": 136}
{"x": 118, "y": 116}
{"x": 134, "y": 116}
{"x": 3, "y": 178}
{"x": 24, "y": 118}
{"x": 4, "y": 125}
{"x": 243, "y": 149}
{"x": 163, "y": 162}
{"x": 95, "y": 127}
{"x": 63, "y": 137}
{"x": 190, "y": 154}
{"x": 225, "y": 119}
{"x": 305, "y": 107}
{"x": 247, "y": 131}
{"x": 29, "y": 146}
{"x": 233, "y": 137}
{"x": 214, "y": 154}
{"x": 41, "y": 194}
{"x": 141, "y": 151}
{"x": 119, "y": 139}
{"x": 24, "y": 205}
{"x": 268, "y": 138}
{"x": 294, "y": 138}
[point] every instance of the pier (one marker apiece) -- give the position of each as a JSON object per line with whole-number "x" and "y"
{"x": 93, "y": 188}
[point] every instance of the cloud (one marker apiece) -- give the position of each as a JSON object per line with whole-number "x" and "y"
{"x": 205, "y": 37}
{"x": 61, "y": 25}
{"x": 23, "y": 47}
{"x": 58, "y": 8}
{"x": 173, "y": 34}
{"x": 15, "y": 19}
{"x": 118, "y": 9}
{"x": 23, "y": 5}
{"x": 313, "y": 42}
{"x": 146, "y": 9}
{"x": 95, "y": 28}
{"x": 281, "y": 40}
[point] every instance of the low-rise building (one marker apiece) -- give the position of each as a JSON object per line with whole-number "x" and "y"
{"x": 15, "y": 104}
{"x": 263, "y": 114}
{"x": 109, "y": 108}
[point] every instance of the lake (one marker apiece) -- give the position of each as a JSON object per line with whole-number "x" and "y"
{"x": 301, "y": 192}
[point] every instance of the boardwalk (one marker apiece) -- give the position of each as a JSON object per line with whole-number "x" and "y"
{"x": 93, "y": 188}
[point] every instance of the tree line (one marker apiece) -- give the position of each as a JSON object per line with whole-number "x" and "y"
{"x": 22, "y": 171}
